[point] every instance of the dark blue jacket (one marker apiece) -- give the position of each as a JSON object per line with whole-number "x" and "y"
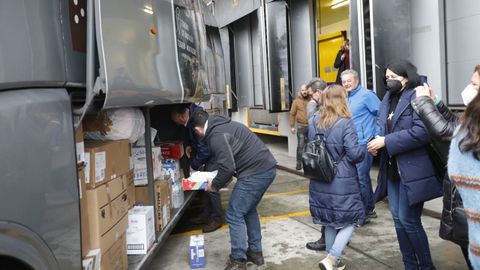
{"x": 407, "y": 143}
{"x": 338, "y": 203}
{"x": 199, "y": 148}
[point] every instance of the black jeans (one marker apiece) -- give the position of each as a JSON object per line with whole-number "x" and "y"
{"x": 302, "y": 136}
{"x": 212, "y": 202}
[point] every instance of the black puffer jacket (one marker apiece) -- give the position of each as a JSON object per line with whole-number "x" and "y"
{"x": 441, "y": 123}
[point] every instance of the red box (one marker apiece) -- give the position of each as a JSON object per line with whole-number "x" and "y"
{"x": 172, "y": 150}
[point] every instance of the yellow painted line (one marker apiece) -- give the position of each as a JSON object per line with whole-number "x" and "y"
{"x": 262, "y": 220}
{"x": 265, "y": 131}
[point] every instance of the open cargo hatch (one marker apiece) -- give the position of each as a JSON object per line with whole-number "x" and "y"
{"x": 153, "y": 52}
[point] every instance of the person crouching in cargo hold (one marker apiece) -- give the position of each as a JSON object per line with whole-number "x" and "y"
{"x": 298, "y": 112}
{"x": 238, "y": 152}
{"x": 212, "y": 215}
{"x": 337, "y": 205}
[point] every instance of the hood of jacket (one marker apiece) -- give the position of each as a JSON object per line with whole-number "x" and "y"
{"x": 214, "y": 121}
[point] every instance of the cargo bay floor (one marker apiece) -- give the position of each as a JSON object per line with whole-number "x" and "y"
{"x": 287, "y": 226}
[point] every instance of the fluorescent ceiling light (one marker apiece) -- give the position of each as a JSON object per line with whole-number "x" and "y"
{"x": 148, "y": 9}
{"x": 339, "y": 4}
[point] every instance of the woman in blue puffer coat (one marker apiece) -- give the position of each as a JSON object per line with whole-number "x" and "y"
{"x": 337, "y": 205}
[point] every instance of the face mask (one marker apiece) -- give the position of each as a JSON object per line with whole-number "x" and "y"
{"x": 468, "y": 94}
{"x": 394, "y": 86}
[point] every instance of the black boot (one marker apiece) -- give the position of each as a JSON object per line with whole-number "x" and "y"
{"x": 233, "y": 264}
{"x": 255, "y": 257}
{"x": 318, "y": 245}
{"x": 299, "y": 166}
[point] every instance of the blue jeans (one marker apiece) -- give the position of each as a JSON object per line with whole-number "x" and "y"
{"x": 411, "y": 236}
{"x": 242, "y": 216}
{"x": 366, "y": 190}
{"x": 337, "y": 240}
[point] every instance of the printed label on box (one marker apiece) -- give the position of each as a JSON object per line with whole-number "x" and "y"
{"x": 80, "y": 148}
{"x": 87, "y": 168}
{"x": 100, "y": 164}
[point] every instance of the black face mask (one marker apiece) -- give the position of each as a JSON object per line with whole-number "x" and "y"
{"x": 394, "y": 86}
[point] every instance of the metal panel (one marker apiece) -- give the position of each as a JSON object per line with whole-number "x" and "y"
{"x": 74, "y": 27}
{"x": 219, "y": 70}
{"x": 39, "y": 169}
{"x": 257, "y": 57}
{"x": 243, "y": 62}
{"x": 302, "y": 43}
{"x": 228, "y": 11}
{"x": 278, "y": 56}
{"x": 31, "y": 51}
{"x": 463, "y": 19}
{"x": 138, "y": 67}
{"x": 393, "y": 37}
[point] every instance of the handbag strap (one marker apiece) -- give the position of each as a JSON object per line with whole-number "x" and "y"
{"x": 327, "y": 133}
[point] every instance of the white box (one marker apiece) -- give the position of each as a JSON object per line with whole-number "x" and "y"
{"x": 197, "y": 251}
{"x": 141, "y": 229}
{"x": 140, "y": 164}
{"x": 93, "y": 260}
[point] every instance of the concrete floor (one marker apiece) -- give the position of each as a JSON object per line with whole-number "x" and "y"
{"x": 287, "y": 226}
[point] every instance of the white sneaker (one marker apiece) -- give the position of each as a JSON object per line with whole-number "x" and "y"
{"x": 329, "y": 263}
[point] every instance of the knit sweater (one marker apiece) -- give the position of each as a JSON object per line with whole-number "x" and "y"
{"x": 299, "y": 111}
{"x": 464, "y": 171}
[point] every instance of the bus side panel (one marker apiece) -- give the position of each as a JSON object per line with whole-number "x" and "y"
{"x": 39, "y": 184}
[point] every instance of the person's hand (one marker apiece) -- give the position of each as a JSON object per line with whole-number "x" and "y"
{"x": 374, "y": 145}
{"x": 188, "y": 151}
{"x": 293, "y": 130}
{"x": 209, "y": 187}
{"x": 425, "y": 90}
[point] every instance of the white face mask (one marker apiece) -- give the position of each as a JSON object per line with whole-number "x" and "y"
{"x": 468, "y": 94}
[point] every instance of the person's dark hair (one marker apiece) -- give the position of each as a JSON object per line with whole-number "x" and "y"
{"x": 407, "y": 70}
{"x": 198, "y": 119}
{"x": 179, "y": 110}
{"x": 317, "y": 84}
{"x": 471, "y": 127}
{"x": 477, "y": 69}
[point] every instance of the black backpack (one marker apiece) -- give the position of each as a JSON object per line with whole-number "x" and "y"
{"x": 318, "y": 164}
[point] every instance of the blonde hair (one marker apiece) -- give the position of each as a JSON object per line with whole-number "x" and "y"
{"x": 334, "y": 105}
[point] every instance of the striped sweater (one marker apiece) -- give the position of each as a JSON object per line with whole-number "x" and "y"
{"x": 464, "y": 171}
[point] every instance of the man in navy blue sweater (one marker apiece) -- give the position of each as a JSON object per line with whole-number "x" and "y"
{"x": 200, "y": 159}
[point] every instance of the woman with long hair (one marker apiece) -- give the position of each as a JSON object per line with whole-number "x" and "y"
{"x": 406, "y": 174}
{"x": 464, "y": 169}
{"x": 337, "y": 205}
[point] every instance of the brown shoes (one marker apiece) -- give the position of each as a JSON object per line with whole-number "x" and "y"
{"x": 212, "y": 226}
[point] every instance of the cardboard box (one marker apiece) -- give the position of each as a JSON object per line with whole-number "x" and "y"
{"x": 106, "y": 241}
{"x": 162, "y": 203}
{"x": 106, "y": 161}
{"x": 79, "y": 144}
{"x": 141, "y": 196}
{"x": 141, "y": 230}
{"x": 172, "y": 150}
{"x": 84, "y": 229}
{"x": 140, "y": 164}
{"x": 197, "y": 252}
{"x": 131, "y": 195}
{"x": 115, "y": 258}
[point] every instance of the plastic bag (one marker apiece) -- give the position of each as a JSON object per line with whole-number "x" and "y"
{"x": 118, "y": 124}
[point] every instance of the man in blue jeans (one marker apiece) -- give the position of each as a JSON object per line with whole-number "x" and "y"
{"x": 365, "y": 108}
{"x": 238, "y": 152}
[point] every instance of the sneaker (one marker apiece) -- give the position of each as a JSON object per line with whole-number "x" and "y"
{"x": 233, "y": 264}
{"x": 212, "y": 226}
{"x": 340, "y": 265}
{"x": 318, "y": 245}
{"x": 299, "y": 166}
{"x": 372, "y": 214}
{"x": 255, "y": 257}
{"x": 329, "y": 263}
